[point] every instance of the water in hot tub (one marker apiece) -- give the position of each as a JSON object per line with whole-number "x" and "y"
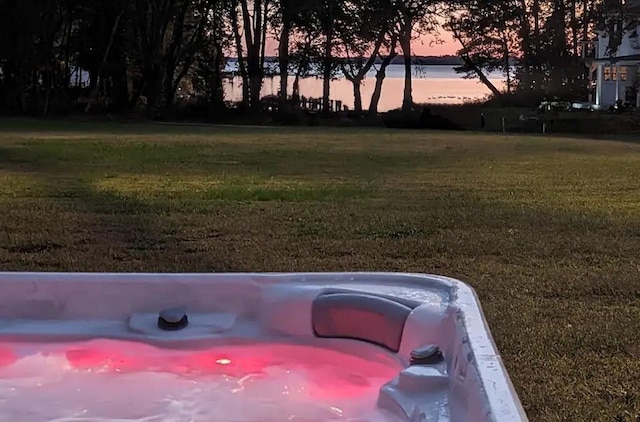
{"x": 120, "y": 381}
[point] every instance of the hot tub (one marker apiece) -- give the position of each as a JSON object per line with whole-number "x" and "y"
{"x": 247, "y": 347}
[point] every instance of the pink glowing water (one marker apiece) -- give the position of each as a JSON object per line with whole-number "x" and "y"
{"x": 121, "y": 381}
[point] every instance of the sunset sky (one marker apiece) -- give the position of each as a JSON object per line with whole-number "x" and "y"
{"x": 426, "y": 47}
{"x": 422, "y": 47}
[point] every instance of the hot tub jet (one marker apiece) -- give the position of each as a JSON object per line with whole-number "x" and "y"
{"x": 172, "y": 319}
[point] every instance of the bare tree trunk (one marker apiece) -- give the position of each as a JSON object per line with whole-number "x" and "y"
{"x": 254, "y": 34}
{"x": 506, "y": 58}
{"x": 45, "y": 110}
{"x": 67, "y": 50}
{"x": 483, "y": 78}
{"x": 586, "y": 19}
{"x": 357, "y": 78}
{"x": 249, "y": 33}
{"x": 283, "y": 50}
{"x": 507, "y": 67}
{"x": 240, "y": 56}
{"x": 471, "y": 64}
{"x": 105, "y": 57}
{"x": 295, "y": 94}
{"x": 327, "y": 67}
{"x": 262, "y": 26}
{"x": 380, "y": 75}
{"x": 217, "y": 91}
{"x": 526, "y": 41}
{"x": 283, "y": 55}
{"x": 356, "y": 81}
{"x": 405, "y": 44}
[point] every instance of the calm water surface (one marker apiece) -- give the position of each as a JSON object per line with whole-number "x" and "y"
{"x": 431, "y": 84}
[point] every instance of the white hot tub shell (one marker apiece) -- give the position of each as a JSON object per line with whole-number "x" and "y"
{"x": 399, "y": 313}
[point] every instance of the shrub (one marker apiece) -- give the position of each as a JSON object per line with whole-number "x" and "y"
{"x": 423, "y": 119}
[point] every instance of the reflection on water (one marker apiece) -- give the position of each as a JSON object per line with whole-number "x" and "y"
{"x": 431, "y": 84}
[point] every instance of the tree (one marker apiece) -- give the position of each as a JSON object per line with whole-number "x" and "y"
{"x": 168, "y": 34}
{"x": 286, "y": 13}
{"x": 304, "y": 61}
{"x": 390, "y": 45}
{"x": 100, "y": 70}
{"x": 292, "y": 17}
{"x": 124, "y": 49}
{"x": 32, "y": 41}
{"x": 565, "y": 68}
{"x": 320, "y": 20}
{"x": 529, "y": 36}
{"x": 412, "y": 18}
{"x": 250, "y": 20}
{"x": 492, "y": 47}
{"x": 617, "y": 19}
{"x": 362, "y": 33}
{"x": 328, "y": 11}
{"x": 209, "y": 61}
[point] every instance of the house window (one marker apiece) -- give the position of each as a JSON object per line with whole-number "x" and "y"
{"x": 612, "y": 73}
{"x": 623, "y": 73}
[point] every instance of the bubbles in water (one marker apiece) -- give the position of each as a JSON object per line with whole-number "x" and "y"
{"x": 154, "y": 388}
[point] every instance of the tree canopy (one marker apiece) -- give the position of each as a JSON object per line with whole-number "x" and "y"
{"x": 58, "y": 56}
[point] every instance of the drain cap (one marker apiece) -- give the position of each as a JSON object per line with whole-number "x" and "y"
{"x": 172, "y": 319}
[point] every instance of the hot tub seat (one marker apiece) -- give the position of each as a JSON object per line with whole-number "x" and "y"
{"x": 359, "y": 316}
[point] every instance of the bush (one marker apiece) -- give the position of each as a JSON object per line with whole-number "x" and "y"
{"x": 424, "y": 119}
{"x": 398, "y": 119}
{"x": 291, "y": 117}
{"x": 435, "y": 121}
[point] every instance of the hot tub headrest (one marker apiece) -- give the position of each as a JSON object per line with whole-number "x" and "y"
{"x": 360, "y": 316}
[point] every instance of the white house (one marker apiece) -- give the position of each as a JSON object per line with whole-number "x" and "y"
{"x": 615, "y": 76}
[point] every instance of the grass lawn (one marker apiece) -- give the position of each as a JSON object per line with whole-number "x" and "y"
{"x": 547, "y": 230}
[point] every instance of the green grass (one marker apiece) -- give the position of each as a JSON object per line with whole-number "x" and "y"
{"x": 547, "y": 230}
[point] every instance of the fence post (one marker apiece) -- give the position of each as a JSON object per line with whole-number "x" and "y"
{"x": 504, "y": 126}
